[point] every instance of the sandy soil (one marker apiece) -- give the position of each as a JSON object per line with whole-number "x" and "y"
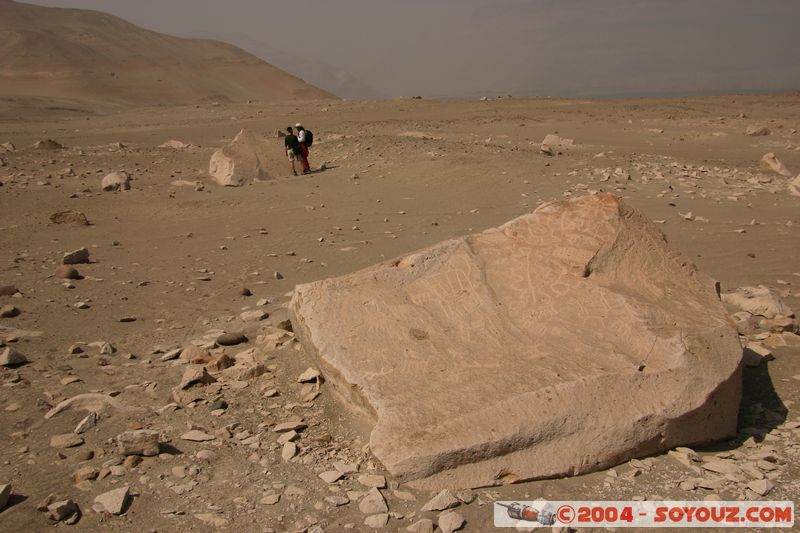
{"x": 400, "y": 175}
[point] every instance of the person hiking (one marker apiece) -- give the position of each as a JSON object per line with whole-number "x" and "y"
{"x": 306, "y": 138}
{"x": 293, "y": 148}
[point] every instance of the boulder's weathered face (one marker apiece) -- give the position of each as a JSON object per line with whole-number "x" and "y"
{"x": 248, "y": 158}
{"x": 562, "y": 342}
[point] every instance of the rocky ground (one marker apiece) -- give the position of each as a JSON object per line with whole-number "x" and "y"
{"x": 154, "y": 384}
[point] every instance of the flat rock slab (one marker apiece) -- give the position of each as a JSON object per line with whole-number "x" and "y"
{"x": 565, "y": 341}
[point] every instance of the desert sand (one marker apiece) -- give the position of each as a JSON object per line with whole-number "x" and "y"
{"x": 170, "y": 259}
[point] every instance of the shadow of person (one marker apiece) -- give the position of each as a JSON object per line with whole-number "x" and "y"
{"x": 761, "y": 410}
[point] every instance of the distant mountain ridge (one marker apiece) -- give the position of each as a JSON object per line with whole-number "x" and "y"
{"x": 95, "y": 57}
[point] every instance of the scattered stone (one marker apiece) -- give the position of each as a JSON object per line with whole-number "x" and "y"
{"x": 67, "y": 440}
{"x": 721, "y": 466}
{"x": 8, "y": 290}
{"x": 116, "y": 181}
{"x": 67, "y": 272}
{"x": 47, "y": 144}
{"x": 76, "y": 257}
{"x": 443, "y": 500}
{"x": 194, "y": 375}
{"x": 139, "y": 442}
{"x": 308, "y": 376}
{"x": 212, "y": 519}
{"x": 88, "y": 422}
{"x": 450, "y": 521}
{"x": 218, "y": 405}
{"x": 231, "y": 339}
{"x": 757, "y": 131}
{"x": 377, "y": 521}
{"x": 254, "y": 316}
{"x": 5, "y": 495}
{"x": 330, "y": 476}
{"x": 132, "y": 461}
{"x": 86, "y": 402}
{"x": 87, "y": 473}
{"x": 64, "y": 511}
{"x": 466, "y": 496}
{"x": 11, "y": 357}
{"x": 291, "y": 436}
{"x": 421, "y": 526}
{"x": 171, "y": 354}
{"x": 373, "y": 503}
{"x": 220, "y": 363}
{"x": 68, "y": 216}
{"x": 244, "y": 291}
{"x": 794, "y": 186}
{"x": 372, "y": 481}
{"x": 113, "y": 502}
{"x": 175, "y": 145}
{"x": 289, "y": 451}
{"x": 755, "y": 353}
{"x": 292, "y": 425}
{"x": 762, "y": 487}
{"x": 772, "y": 163}
{"x": 337, "y": 501}
{"x": 759, "y": 301}
{"x": 9, "y": 311}
{"x": 196, "y": 435}
{"x": 270, "y": 499}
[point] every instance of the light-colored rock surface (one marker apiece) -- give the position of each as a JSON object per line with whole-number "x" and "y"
{"x": 248, "y": 158}
{"x": 582, "y": 299}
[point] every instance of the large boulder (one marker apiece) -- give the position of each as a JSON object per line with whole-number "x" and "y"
{"x": 248, "y": 158}
{"x": 562, "y": 342}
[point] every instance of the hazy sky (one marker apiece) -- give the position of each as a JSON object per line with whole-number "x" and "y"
{"x": 466, "y": 48}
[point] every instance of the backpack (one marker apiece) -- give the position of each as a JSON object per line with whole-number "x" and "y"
{"x": 309, "y": 138}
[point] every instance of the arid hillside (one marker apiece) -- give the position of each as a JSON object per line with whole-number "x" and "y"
{"x": 92, "y": 57}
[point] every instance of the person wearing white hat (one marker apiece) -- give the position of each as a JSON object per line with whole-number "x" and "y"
{"x": 303, "y": 136}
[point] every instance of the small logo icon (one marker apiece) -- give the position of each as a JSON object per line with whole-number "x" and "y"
{"x": 526, "y": 513}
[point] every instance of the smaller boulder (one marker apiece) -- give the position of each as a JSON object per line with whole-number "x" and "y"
{"x": 5, "y": 495}
{"x": 10, "y": 357}
{"x": 771, "y": 162}
{"x": 116, "y": 181}
{"x": 113, "y": 502}
{"x": 47, "y": 144}
{"x": 231, "y": 339}
{"x": 194, "y": 375}
{"x": 76, "y": 218}
{"x": 757, "y": 131}
{"x": 139, "y": 442}
{"x": 67, "y": 272}
{"x": 76, "y": 257}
